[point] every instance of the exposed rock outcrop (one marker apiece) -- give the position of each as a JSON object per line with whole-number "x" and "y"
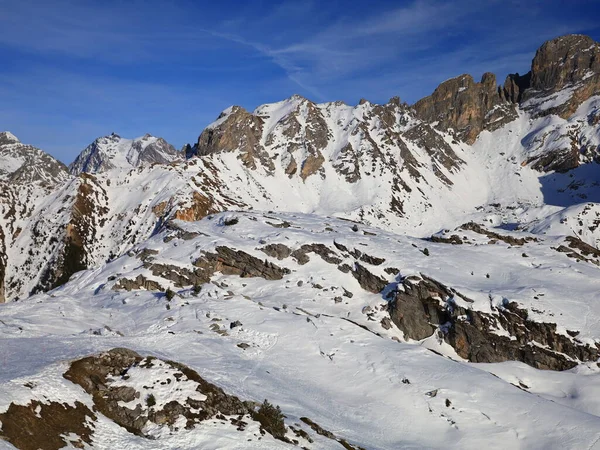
{"x": 479, "y": 229}
{"x": 237, "y": 262}
{"x": 47, "y": 425}
{"x": 106, "y": 377}
{"x": 225, "y": 260}
{"x": 148, "y": 397}
{"x": 571, "y": 62}
{"x": 466, "y": 107}
{"x": 421, "y": 306}
{"x": 279, "y": 251}
{"x": 236, "y": 130}
{"x": 368, "y": 281}
{"x": 514, "y": 86}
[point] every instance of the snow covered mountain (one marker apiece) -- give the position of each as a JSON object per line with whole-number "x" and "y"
{"x": 409, "y": 169}
{"x": 110, "y": 152}
{"x": 466, "y": 224}
{"x": 26, "y": 164}
{"x": 27, "y": 176}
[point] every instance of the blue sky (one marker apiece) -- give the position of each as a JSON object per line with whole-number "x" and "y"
{"x": 71, "y": 71}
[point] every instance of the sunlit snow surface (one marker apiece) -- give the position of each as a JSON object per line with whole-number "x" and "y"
{"x": 304, "y": 356}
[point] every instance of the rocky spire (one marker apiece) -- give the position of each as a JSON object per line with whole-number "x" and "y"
{"x": 567, "y": 62}
{"x": 466, "y": 107}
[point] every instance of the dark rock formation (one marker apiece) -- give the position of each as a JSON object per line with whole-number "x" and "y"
{"x": 328, "y": 434}
{"x": 48, "y": 425}
{"x": 140, "y": 282}
{"x": 564, "y": 61}
{"x": 368, "y": 281}
{"x": 454, "y": 239}
{"x": 225, "y": 260}
{"x": 479, "y": 229}
{"x": 326, "y": 254}
{"x": 278, "y": 251}
{"x": 423, "y": 306}
{"x": 579, "y": 250}
{"x": 237, "y": 262}
{"x": 514, "y": 86}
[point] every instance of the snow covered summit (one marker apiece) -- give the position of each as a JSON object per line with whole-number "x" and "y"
{"x": 7, "y": 137}
{"x": 21, "y": 163}
{"x": 113, "y": 151}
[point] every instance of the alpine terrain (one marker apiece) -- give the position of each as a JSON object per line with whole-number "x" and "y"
{"x": 316, "y": 275}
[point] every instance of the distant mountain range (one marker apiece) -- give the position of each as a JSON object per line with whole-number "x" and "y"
{"x": 414, "y": 168}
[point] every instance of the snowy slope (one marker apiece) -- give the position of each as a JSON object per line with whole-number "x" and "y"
{"x": 331, "y": 361}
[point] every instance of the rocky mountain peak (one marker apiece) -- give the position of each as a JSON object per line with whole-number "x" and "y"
{"x": 234, "y": 129}
{"x": 6, "y": 137}
{"x": 565, "y": 72}
{"x": 22, "y": 163}
{"x": 465, "y": 106}
{"x": 563, "y": 61}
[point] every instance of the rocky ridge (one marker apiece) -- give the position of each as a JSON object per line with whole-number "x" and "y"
{"x": 565, "y": 72}
{"x": 484, "y": 330}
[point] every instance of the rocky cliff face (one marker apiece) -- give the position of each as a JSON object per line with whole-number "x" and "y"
{"x": 565, "y": 73}
{"x": 466, "y": 107}
{"x": 235, "y": 130}
{"x": 514, "y": 86}
{"x": 423, "y": 305}
{"x": 564, "y": 61}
